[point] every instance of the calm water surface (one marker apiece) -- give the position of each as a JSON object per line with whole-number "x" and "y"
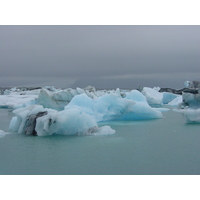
{"x": 163, "y": 146}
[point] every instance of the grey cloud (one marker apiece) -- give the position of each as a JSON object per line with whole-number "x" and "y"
{"x": 92, "y": 53}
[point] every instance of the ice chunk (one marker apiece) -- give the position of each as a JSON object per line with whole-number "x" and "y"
{"x": 82, "y": 114}
{"x": 153, "y": 96}
{"x": 17, "y": 101}
{"x": 58, "y": 100}
{"x": 90, "y": 88}
{"x": 191, "y": 100}
{"x": 192, "y": 84}
{"x": 157, "y": 88}
{"x": 51, "y": 100}
{"x": 15, "y": 123}
{"x": 187, "y": 84}
{"x": 192, "y": 115}
{"x": 175, "y": 102}
{"x": 104, "y": 130}
{"x": 168, "y": 97}
{"x": 2, "y": 133}
{"x": 67, "y": 122}
{"x": 18, "y": 122}
{"x": 31, "y": 123}
{"x": 112, "y": 107}
{"x": 136, "y": 96}
{"x": 80, "y": 90}
{"x": 36, "y": 120}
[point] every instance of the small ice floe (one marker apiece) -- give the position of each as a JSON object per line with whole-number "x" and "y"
{"x": 104, "y": 130}
{"x": 191, "y": 115}
{"x": 2, "y": 133}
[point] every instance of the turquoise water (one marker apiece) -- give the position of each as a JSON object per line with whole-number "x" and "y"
{"x": 162, "y": 146}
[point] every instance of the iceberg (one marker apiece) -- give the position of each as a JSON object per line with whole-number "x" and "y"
{"x": 158, "y": 97}
{"x": 113, "y": 107}
{"x": 190, "y": 105}
{"x": 154, "y": 98}
{"x": 192, "y": 84}
{"x": 82, "y": 115}
{"x": 17, "y": 101}
{"x": 54, "y": 100}
{"x": 59, "y": 99}
{"x": 176, "y": 102}
{"x": 169, "y": 97}
{"x": 192, "y": 115}
{"x": 36, "y": 120}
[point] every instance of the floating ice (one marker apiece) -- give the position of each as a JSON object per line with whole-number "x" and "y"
{"x": 136, "y": 96}
{"x": 17, "y": 101}
{"x": 59, "y": 99}
{"x": 157, "y": 88}
{"x": 54, "y": 100}
{"x": 3, "y": 133}
{"x": 192, "y": 84}
{"x": 104, "y": 130}
{"x": 191, "y": 100}
{"x": 153, "y": 96}
{"x": 175, "y": 102}
{"x": 187, "y": 84}
{"x": 192, "y": 115}
{"x": 168, "y": 97}
{"x": 81, "y": 115}
{"x": 112, "y": 107}
{"x": 36, "y": 120}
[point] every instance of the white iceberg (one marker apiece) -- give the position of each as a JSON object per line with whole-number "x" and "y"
{"x": 153, "y": 97}
{"x": 156, "y": 98}
{"x": 192, "y": 115}
{"x": 59, "y": 99}
{"x": 17, "y": 101}
{"x": 54, "y": 100}
{"x": 36, "y": 120}
{"x": 169, "y": 97}
{"x": 176, "y": 102}
{"x": 191, "y": 100}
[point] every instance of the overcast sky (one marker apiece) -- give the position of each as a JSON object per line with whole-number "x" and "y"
{"x": 102, "y": 56}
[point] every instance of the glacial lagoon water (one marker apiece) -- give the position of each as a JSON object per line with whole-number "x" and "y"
{"x": 163, "y": 146}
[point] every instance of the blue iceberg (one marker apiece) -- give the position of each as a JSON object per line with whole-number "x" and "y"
{"x": 113, "y": 107}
